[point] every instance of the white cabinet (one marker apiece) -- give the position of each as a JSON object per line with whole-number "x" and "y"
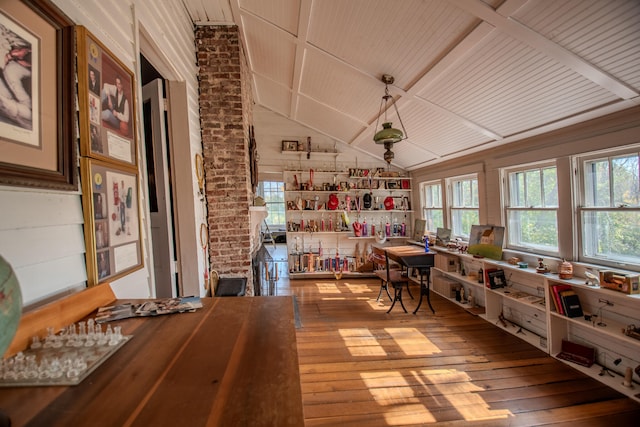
{"x": 322, "y": 207}
{"x": 526, "y": 309}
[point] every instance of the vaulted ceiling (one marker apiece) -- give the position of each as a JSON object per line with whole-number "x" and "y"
{"x": 469, "y": 74}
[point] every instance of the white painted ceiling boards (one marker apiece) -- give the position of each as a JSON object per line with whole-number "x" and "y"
{"x": 469, "y": 74}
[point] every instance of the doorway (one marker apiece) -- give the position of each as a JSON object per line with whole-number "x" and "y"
{"x": 160, "y": 194}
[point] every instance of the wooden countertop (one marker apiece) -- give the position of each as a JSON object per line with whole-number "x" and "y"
{"x": 233, "y": 362}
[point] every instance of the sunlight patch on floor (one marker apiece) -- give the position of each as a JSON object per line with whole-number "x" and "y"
{"x": 358, "y": 289}
{"x": 391, "y": 389}
{"x": 466, "y": 400}
{"x": 361, "y": 342}
{"x": 327, "y": 288}
{"x": 409, "y": 415}
{"x": 407, "y": 408}
{"x": 377, "y": 305}
{"x": 442, "y": 376}
{"x": 412, "y": 341}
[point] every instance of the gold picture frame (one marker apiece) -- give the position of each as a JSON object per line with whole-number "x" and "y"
{"x": 36, "y": 129}
{"x": 106, "y": 96}
{"x": 112, "y": 222}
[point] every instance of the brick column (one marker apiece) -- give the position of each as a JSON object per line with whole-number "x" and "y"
{"x": 225, "y": 114}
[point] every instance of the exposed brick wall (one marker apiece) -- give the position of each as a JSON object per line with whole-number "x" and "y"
{"x": 225, "y": 114}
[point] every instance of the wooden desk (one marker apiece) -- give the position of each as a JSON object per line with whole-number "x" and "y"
{"x": 412, "y": 256}
{"x": 233, "y": 362}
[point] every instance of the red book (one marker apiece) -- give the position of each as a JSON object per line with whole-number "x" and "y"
{"x": 556, "y": 289}
{"x": 487, "y": 283}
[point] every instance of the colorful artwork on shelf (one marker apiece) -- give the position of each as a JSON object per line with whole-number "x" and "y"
{"x": 486, "y": 241}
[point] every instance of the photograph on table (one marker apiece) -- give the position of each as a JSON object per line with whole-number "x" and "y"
{"x": 36, "y": 90}
{"x": 106, "y": 89}
{"x": 112, "y": 220}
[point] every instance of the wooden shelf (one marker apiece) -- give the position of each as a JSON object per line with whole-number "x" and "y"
{"x": 550, "y": 328}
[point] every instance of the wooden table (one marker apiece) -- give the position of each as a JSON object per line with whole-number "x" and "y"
{"x": 233, "y": 362}
{"x": 412, "y": 256}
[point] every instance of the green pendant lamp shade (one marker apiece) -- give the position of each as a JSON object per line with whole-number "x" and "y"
{"x": 388, "y": 135}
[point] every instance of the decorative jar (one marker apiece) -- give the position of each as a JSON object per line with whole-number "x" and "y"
{"x": 565, "y": 270}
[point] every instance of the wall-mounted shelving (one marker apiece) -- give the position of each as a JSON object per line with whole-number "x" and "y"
{"x": 312, "y": 222}
{"x": 526, "y": 309}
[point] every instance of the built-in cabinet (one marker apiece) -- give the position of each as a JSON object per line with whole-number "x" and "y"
{"x": 322, "y": 206}
{"x": 525, "y": 308}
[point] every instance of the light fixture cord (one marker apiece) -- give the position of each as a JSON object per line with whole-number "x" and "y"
{"x": 399, "y": 118}
{"x": 384, "y": 101}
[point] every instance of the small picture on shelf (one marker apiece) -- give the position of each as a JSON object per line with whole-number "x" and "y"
{"x": 443, "y": 236}
{"x": 289, "y": 145}
{"x": 496, "y": 279}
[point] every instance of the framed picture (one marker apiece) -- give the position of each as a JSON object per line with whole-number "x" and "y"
{"x": 111, "y": 208}
{"x": 106, "y": 90}
{"x": 497, "y": 279}
{"x": 289, "y": 145}
{"x": 486, "y": 241}
{"x": 37, "y": 91}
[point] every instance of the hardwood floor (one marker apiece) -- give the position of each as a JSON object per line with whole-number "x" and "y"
{"x": 363, "y": 367}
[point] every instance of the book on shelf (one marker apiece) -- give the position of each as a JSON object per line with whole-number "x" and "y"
{"x": 571, "y": 304}
{"x": 555, "y": 293}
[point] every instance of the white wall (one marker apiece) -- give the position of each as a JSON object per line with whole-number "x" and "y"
{"x": 41, "y": 231}
{"x": 271, "y": 128}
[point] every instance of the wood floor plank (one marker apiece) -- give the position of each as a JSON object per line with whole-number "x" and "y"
{"x": 360, "y": 366}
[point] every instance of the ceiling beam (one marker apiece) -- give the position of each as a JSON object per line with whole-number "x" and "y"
{"x": 519, "y": 31}
{"x": 301, "y": 43}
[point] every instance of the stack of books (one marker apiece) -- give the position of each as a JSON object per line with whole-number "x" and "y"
{"x": 566, "y": 301}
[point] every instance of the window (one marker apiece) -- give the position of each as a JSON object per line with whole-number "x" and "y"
{"x": 609, "y": 214}
{"x": 465, "y": 210}
{"x": 273, "y": 194}
{"x": 432, "y": 210}
{"x": 532, "y": 208}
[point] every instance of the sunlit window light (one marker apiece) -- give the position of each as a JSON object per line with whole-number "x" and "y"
{"x": 361, "y": 342}
{"x": 412, "y": 342}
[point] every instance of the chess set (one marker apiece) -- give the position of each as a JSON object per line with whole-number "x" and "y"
{"x": 63, "y": 358}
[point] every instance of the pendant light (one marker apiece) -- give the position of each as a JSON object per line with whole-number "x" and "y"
{"x": 388, "y": 135}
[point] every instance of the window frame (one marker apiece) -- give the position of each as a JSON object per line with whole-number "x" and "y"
{"x": 581, "y": 195}
{"x": 507, "y": 205}
{"x": 426, "y": 209}
{"x": 451, "y": 203}
{"x": 260, "y": 191}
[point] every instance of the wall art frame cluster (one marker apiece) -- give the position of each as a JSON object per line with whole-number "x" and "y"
{"x": 109, "y": 166}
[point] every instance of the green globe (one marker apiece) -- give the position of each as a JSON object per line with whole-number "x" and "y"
{"x": 10, "y": 304}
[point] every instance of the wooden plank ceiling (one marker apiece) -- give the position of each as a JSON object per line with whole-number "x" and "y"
{"x": 469, "y": 74}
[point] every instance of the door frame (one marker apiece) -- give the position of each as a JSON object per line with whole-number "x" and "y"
{"x": 189, "y": 254}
